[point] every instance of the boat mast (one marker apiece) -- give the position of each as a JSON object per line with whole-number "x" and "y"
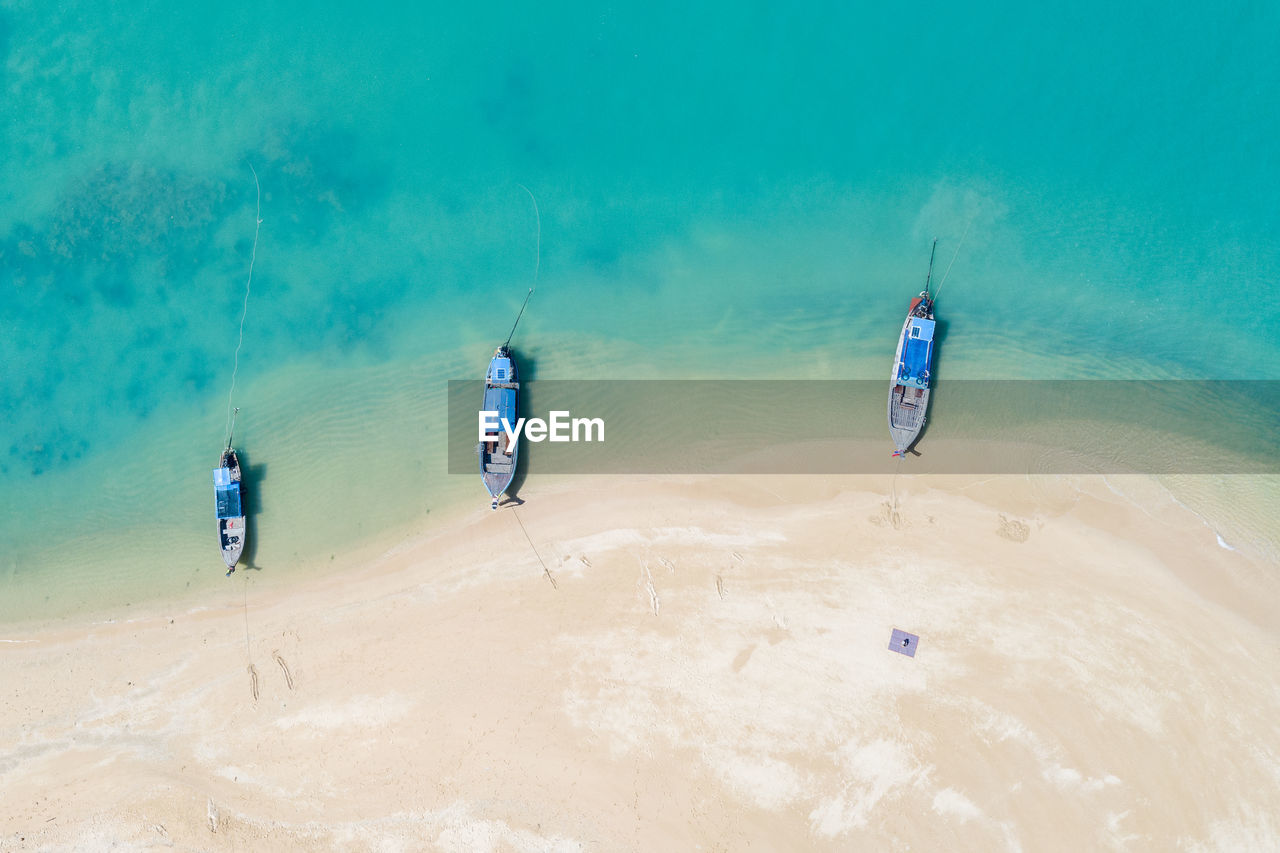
{"x": 929, "y": 277}
{"x": 527, "y": 296}
{"x": 231, "y": 433}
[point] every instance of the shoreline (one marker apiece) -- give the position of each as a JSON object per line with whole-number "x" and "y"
{"x": 343, "y": 458}
{"x": 1155, "y": 497}
{"x": 709, "y": 666}
{"x": 375, "y": 548}
{"x": 1237, "y": 509}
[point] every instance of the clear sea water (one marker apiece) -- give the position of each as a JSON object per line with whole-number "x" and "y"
{"x": 725, "y": 191}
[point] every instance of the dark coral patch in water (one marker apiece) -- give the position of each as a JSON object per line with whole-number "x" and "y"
{"x": 126, "y": 296}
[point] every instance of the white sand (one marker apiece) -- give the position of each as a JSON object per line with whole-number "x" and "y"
{"x": 709, "y": 670}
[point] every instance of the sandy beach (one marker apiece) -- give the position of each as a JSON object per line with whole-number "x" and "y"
{"x": 703, "y": 664}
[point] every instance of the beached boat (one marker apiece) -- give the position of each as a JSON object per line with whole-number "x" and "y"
{"x": 909, "y": 385}
{"x": 498, "y": 453}
{"x": 230, "y": 508}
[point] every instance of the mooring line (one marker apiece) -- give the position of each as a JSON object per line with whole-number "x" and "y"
{"x": 254, "y": 686}
{"x": 253, "y": 256}
{"x": 537, "y": 263}
{"x": 893, "y": 484}
{"x": 247, "y": 652}
{"x": 545, "y": 570}
{"x": 953, "y": 260}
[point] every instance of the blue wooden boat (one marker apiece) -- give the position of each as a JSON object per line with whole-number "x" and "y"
{"x": 498, "y": 453}
{"x": 229, "y": 505}
{"x": 912, "y": 366}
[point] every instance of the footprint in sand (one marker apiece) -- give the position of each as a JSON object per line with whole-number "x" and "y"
{"x": 583, "y": 559}
{"x": 654, "y": 601}
{"x": 720, "y": 587}
{"x": 253, "y": 680}
{"x": 288, "y": 676}
{"x": 889, "y": 516}
{"x": 1013, "y": 529}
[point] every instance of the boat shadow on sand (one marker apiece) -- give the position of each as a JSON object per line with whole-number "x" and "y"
{"x": 251, "y": 479}
{"x": 527, "y": 363}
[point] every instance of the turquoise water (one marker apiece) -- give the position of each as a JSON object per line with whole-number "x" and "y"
{"x": 724, "y": 191}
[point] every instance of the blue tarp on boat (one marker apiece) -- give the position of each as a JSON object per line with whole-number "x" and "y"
{"x": 227, "y": 494}
{"x": 501, "y": 370}
{"x": 917, "y": 353}
{"x": 502, "y": 401}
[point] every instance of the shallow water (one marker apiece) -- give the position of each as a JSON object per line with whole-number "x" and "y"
{"x": 724, "y": 192}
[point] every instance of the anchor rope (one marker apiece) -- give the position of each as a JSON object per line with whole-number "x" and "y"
{"x": 953, "y": 260}
{"x": 247, "y": 652}
{"x": 537, "y": 263}
{"x": 537, "y": 259}
{"x": 893, "y": 483}
{"x": 534, "y": 548}
{"x": 253, "y": 256}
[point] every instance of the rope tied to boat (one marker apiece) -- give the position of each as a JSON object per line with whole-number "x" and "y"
{"x": 955, "y": 255}
{"x": 537, "y": 264}
{"x": 244, "y": 311}
{"x": 893, "y": 488}
{"x": 534, "y": 548}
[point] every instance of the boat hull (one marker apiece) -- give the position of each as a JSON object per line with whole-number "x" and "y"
{"x": 908, "y": 403}
{"x": 907, "y": 410}
{"x": 232, "y": 532}
{"x": 499, "y": 456}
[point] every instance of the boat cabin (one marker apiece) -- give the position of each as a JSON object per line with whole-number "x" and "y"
{"x": 500, "y": 397}
{"x": 227, "y": 493}
{"x": 501, "y": 370}
{"x": 917, "y": 353}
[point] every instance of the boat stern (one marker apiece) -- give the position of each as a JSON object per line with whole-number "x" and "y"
{"x": 231, "y": 536}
